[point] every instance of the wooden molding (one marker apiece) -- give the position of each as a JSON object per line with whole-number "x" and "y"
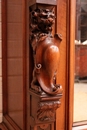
{"x": 52, "y": 2}
{"x": 7, "y": 119}
{"x": 10, "y": 123}
{"x": 3, "y": 126}
{"x": 4, "y": 56}
{"x": 24, "y": 64}
{"x": 70, "y": 63}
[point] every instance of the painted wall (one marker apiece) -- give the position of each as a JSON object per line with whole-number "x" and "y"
{"x": 0, "y": 67}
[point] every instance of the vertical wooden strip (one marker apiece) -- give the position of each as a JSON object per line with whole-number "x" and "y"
{"x": 4, "y": 56}
{"x": 56, "y": 19}
{"x": 72, "y": 60}
{"x": 24, "y": 65}
{"x": 67, "y": 64}
{"x": 70, "y": 63}
{"x": 61, "y": 76}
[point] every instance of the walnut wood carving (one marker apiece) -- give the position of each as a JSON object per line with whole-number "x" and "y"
{"x": 45, "y": 94}
{"x": 45, "y": 51}
{"x": 47, "y": 111}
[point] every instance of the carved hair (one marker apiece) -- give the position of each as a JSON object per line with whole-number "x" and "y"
{"x": 41, "y": 22}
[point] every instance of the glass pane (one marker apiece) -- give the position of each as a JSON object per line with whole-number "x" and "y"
{"x": 80, "y": 84}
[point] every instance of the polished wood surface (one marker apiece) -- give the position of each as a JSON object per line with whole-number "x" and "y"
{"x": 14, "y": 82}
{"x": 44, "y": 93}
{"x": 45, "y": 50}
{"x": 3, "y": 127}
{"x": 71, "y": 67}
{"x": 52, "y": 2}
{"x": 4, "y": 56}
{"x": 62, "y": 73}
{"x": 64, "y": 25}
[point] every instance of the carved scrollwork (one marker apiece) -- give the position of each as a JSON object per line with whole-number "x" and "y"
{"x": 47, "y": 110}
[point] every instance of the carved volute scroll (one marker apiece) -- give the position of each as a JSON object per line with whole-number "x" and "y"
{"x": 44, "y": 90}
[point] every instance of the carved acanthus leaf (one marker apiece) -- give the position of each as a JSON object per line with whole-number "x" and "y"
{"x": 47, "y": 110}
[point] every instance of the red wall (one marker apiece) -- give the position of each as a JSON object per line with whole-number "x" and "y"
{"x": 81, "y": 61}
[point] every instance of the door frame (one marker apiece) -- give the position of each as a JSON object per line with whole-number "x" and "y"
{"x": 71, "y": 16}
{"x": 71, "y": 8}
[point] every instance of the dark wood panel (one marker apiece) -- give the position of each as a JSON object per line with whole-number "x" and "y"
{"x": 15, "y": 2}
{"x": 4, "y": 56}
{"x": 10, "y": 124}
{"x": 3, "y": 127}
{"x": 15, "y": 46}
{"x": 14, "y": 32}
{"x": 14, "y": 12}
{"x": 61, "y": 76}
{"x": 11, "y": 25}
{"x": 15, "y": 64}
{"x": 25, "y": 69}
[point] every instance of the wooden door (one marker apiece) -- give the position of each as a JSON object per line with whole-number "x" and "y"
{"x": 17, "y": 63}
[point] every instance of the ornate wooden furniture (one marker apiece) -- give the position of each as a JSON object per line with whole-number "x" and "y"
{"x": 44, "y": 93}
{"x": 15, "y": 31}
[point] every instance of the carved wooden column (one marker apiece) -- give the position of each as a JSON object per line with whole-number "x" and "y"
{"x": 44, "y": 93}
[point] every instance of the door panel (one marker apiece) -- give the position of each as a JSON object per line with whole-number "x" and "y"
{"x": 13, "y": 65}
{"x": 15, "y": 62}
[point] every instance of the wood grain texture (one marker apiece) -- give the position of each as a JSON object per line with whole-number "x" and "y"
{"x": 4, "y": 56}
{"x": 61, "y": 76}
{"x": 25, "y": 70}
{"x": 3, "y": 127}
{"x": 11, "y": 24}
{"x": 65, "y": 26}
{"x": 70, "y": 66}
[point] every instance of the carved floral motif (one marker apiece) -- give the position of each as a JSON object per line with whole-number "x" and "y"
{"x": 47, "y": 110}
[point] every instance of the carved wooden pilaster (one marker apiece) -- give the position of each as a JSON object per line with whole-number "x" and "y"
{"x": 44, "y": 93}
{"x": 42, "y": 110}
